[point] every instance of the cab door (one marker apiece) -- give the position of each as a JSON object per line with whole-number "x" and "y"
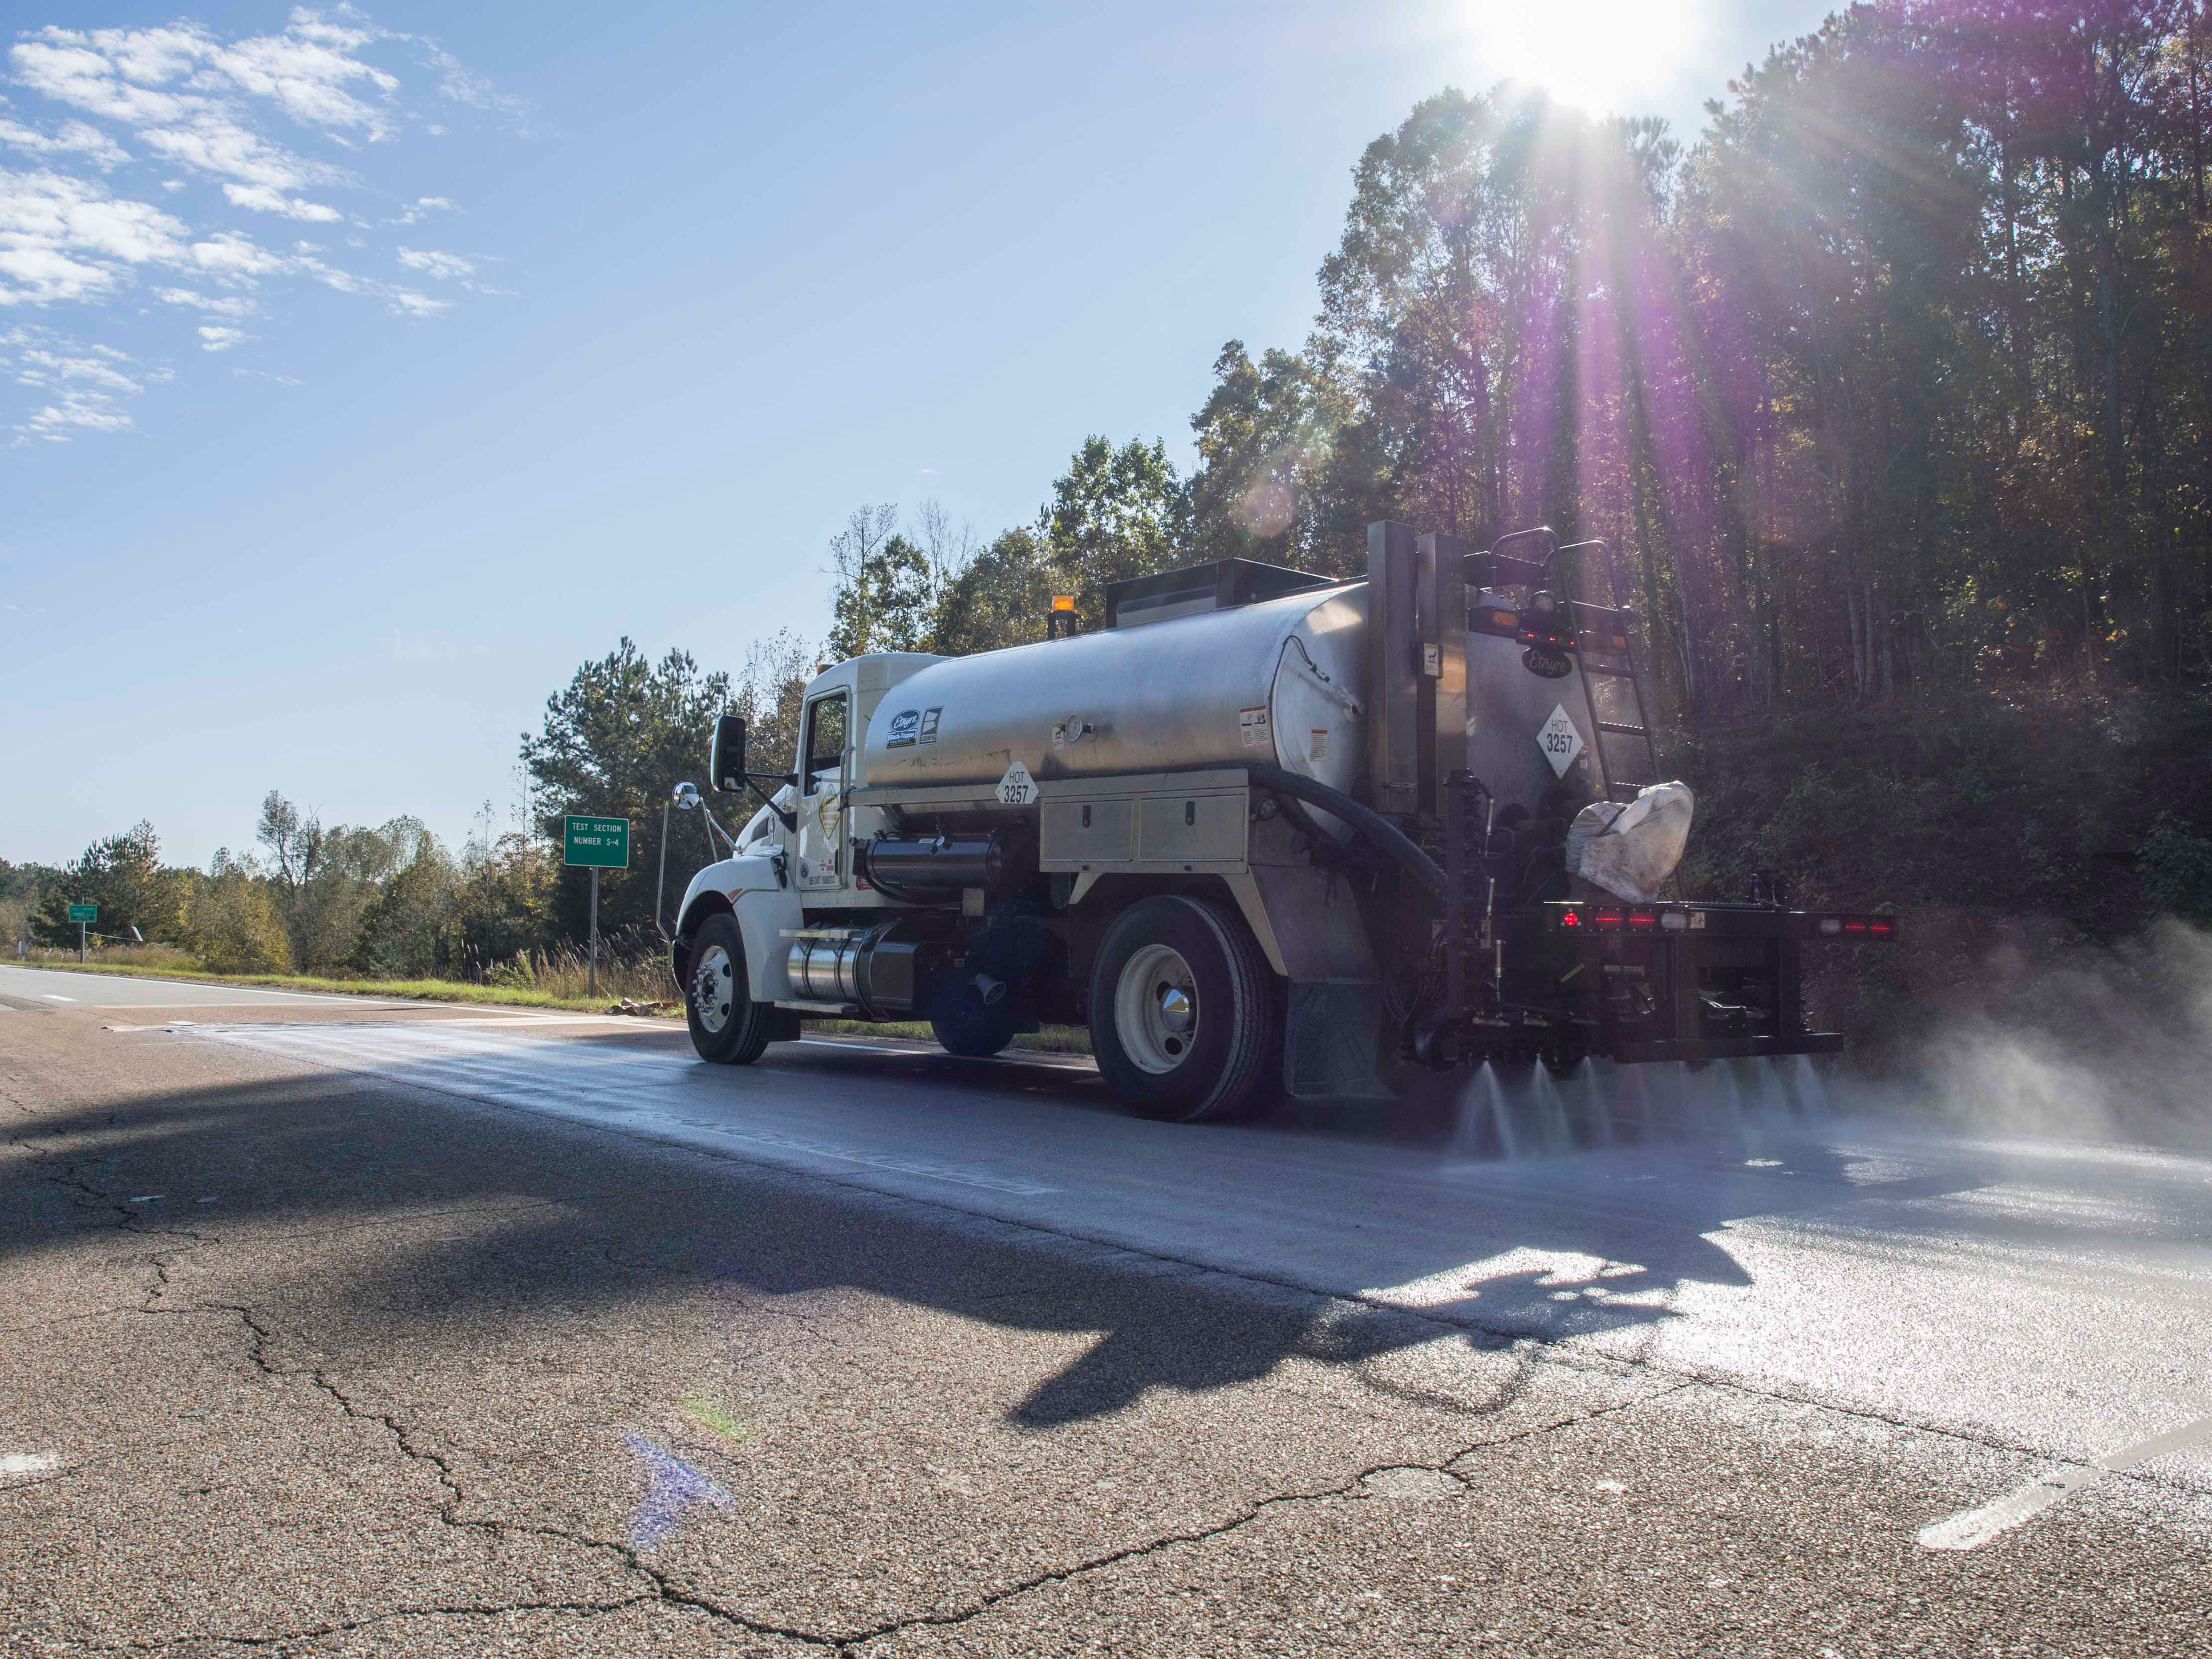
{"x": 824, "y": 762}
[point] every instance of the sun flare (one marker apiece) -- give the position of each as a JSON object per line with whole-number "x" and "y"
{"x": 1620, "y": 55}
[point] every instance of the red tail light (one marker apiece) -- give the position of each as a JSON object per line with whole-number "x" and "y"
{"x": 1854, "y": 927}
{"x": 1643, "y": 921}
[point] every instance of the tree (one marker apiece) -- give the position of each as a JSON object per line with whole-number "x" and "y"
{"x": 616, "y": 740}
{"x": 408, "y": 928}
{"x": 231, "y": 920}
{"x": 1266, "y": 437}
{"x": 1000, "y": 597}
{"x": 770, "y": 689}
{"x": 1114, "y": 513}
{"x": 326, "y": 876}
{"x": 121, "y": 874}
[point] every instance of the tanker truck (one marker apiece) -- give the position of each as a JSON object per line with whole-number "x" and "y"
{"x": 1264, "y": 832}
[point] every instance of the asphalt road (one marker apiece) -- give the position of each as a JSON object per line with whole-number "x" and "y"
{"x": 336, "y": 1329}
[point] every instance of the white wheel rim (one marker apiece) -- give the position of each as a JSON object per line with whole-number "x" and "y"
{"x": 1156, "y": 1009}
{"x": 714, "y": 987}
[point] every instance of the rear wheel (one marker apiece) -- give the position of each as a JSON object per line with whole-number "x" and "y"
{"x": 728, "y": 1026}
{"x": 1183, "y": 1012}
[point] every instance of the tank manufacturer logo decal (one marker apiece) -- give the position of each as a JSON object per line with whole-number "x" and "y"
{"x": 904, "y": 724}
{"x": 1559, "y": 740}
{"x": 929, "y": 724}
{"x": 1252, "y": 724}
{"x": 1552, "y": 664}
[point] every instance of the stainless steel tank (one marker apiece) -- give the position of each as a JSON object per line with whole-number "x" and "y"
{"x": 1508, "y": 710}
{"x": 1279, "y": 683}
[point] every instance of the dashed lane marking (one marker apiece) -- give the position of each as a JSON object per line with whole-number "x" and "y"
{"x": 1969, "y": 1529}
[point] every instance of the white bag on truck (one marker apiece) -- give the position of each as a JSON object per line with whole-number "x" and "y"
{"x": 1630, "y": 848}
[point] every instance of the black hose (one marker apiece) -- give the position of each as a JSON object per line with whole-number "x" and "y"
{"x": 1385, "y": 835}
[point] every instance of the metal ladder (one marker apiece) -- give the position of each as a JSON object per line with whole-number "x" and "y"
{"x": 1607, "y": 631}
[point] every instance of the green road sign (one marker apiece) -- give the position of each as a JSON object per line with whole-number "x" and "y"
{"x": 88, "y": 912}
{"x": 602, "y": 843}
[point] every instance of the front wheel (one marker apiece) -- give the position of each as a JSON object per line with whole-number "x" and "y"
{"x": 728, "y": 1026}
{"x": 1183, "y": 1012}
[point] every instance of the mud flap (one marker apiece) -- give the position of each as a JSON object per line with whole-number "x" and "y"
{"x": 1331, "y": 1049}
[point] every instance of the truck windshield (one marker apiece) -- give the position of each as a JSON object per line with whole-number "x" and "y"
{"x": 825, "y": 742}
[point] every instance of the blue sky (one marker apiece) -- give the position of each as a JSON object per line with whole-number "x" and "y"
{"x": 363, "y": 371}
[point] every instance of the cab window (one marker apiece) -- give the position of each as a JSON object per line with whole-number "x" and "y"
{"x": 825, "y": 742}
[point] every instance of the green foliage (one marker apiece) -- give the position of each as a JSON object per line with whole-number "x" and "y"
{"x": 121, "y": 874}
{"x": 2080, "y": 809}
{"x": 886, "y": 590}
{"x": 616, "y": 740}
{"x": 505, "y": 904}
{"x": 409, "y": 929}
{"x": 1265, "y": 436}
{"x": 2175, "y": 868}
{"x": 231, "y": 922}
{"x": 1000, "y": 597}
{"x": 1114, "y": 513}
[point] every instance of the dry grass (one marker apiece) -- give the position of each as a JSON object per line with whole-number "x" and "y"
{"x": 551, "y": 979}
{"x": 557, "y": 984}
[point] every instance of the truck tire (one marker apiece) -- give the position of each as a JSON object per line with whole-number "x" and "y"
{"x": 728, "y": 1026}
{"x": 1183, "y": 1013}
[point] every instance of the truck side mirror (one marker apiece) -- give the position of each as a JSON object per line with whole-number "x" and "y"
{"x": 727, "y": 768}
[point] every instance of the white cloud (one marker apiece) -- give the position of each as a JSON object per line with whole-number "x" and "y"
{"x": 217, "y": 143}
{"x": 226, "y": 306}
{"x": 262, "y": 199}
{"x": 441, "y": 266}
{"x": 275, "y": 124}
{"x": 423, "y": 207}
{"x": 72, "y": 138}
{"x": 65, "y": 239}
{"x": 39, "y": 366}
{"x": 88, "y": 411}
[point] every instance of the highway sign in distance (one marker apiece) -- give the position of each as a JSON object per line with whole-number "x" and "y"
{"x": 84, "y": 912}
{"x": 600, "y": 843}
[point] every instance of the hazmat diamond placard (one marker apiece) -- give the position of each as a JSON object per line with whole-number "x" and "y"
{"x": 1560, "y": 739}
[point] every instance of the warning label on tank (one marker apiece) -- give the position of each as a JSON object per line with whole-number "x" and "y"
{"x": 1559, "y": 740}
{"x": 1317, "y": 744}
{"x": 1252, "y": 724}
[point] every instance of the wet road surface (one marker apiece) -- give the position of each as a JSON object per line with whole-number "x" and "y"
{"x": 346, "y": 1329}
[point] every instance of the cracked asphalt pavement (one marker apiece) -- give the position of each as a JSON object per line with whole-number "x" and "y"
{"x": 329, "y": 1329}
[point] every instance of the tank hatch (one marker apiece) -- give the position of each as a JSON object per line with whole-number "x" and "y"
{"x": 1221, "y": 584}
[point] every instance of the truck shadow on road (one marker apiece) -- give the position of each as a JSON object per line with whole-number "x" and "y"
{"x": 377, "y": 1219}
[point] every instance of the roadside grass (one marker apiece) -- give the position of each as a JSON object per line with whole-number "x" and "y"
{"x": 616, "y": 982}
{"x": 553, "y": 982}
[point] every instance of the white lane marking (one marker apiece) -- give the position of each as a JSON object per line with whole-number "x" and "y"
{"x": 1972, "y": 1528}
{"x": 28, "y": 1463}
{"x": 49, "y": 997}
{"x": 150, "y": 1198}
